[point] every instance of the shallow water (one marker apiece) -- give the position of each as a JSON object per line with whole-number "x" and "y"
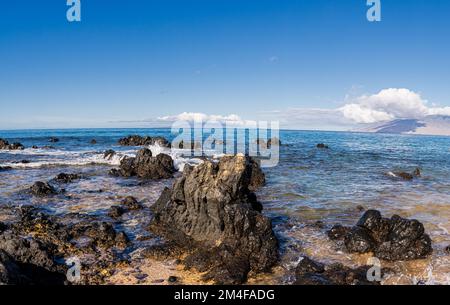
{"x": 308, "y": 185}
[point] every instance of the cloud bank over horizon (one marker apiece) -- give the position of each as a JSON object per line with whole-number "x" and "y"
{"x": 386, "y": 105}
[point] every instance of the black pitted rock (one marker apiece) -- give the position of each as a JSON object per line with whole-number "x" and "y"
{"x": 338, "y": 232}
{"x": 31, "y": 260}
{"x": 212, "y": 209}
{"x": 144, "y": 165}
{"x": 67, "y": 178}
{"x": 131, "y": 203}
{"x": 136, "y": 140}
{"x": 390, "y": 239}
{"x": 14, "y": 146}
{"x": 116, "y": 212}
{"x": 309, "y": 272}
{"x": 42, "y": 189}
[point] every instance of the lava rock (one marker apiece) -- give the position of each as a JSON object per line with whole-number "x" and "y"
{"x": 338, "y": 232}
{"x": 42, "y": 189}
{"x": 67, "y": 178}
{"x": 136, "y": 140}
{"x": 144, "y": 165}
{"x": 390, "y": 239}
{"x": 309, "y": 272}
{"x": 14, "y": 146}
{"x": 131, "y": 203}
{"x": 116, "y": 212}
{"x": 211, "y": 209}
{"x": 28, "y": 261}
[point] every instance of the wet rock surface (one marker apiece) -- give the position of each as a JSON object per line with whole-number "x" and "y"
{"x": 67, "y": 178}
{"x": 322, "y": 146}
{"x": 135, "y": 140}
{"x": 7, "y": 146}
{"x": 391, "y": 239}
{"x": 211, "y": 214}
{"x": 144, "y": 165}
{"x": 54, "y": 239}
{"x": 309, "y": 272}
{"x": 40, "y": 188}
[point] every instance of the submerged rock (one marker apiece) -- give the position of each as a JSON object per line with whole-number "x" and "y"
{"x": 42, "y": 189}
{"x": 144, "y": 165}
{"x": 14, "y": 146}
{"x": 53, "y": 140}
{"x": 5, "y": 168}
{"x": 67, "y": 178}
{"x": 131, "y": 203}
{"x": 309, "y": 272}
{"x": 136, "y": 140}
{"x": 406, "y": 176}
{"x": 322, "y": 146}
{"x": 212, "y": 214}
{"x": 390, "y": 239}
{"x": 93, "y": 141}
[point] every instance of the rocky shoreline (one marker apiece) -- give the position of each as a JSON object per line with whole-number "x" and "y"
{"x": 210, "y": 222}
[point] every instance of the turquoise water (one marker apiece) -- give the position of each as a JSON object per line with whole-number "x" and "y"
{"x": 307, "y": 185}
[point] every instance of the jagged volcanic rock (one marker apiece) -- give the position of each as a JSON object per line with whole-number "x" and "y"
{"x": 135, "y": 140}
{"x": 390, "y": 239}
{"x": 211, "y": 209}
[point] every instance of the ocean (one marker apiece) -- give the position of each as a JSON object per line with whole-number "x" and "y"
{"x": 309, "y": 190}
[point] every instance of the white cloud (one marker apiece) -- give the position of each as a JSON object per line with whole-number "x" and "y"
{"x": 231, "y": 119}
{"x": 390, "y": 104}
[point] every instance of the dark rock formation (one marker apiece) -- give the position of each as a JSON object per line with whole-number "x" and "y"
{"x": 338, "y": 232}
{"x": 67, "y": 178}
{"x": 136, "y": 140}
{"x": 144, "y": 165}
{"x": 42, "y": 189}
{"x": 407, "y": 176}
{"x": 189, "y": 145}
{"x": 14, "y": 146}
{"x": 53, "y": 140}
{"x": 309, "y": 272}
{"x": 210, "y": 209}
{"x": 27, "y": 261}
{"x": 116, "y": 212}
{"x": 322, "y": 146}
{"x": 131, "y": 203}
{"x": 93, "y": 141}
{"x": 390, "y": 239}
{"x": 5, "y": 168}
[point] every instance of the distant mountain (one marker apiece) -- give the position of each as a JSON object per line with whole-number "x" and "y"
{"x": 429, "y": 125}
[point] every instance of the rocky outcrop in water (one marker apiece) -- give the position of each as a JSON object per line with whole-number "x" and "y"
{"x": 144, "y": 165}
{"x": 309, "y": 272}
{"x": 390, "y": 239}
{"x": 135, "y": 140}
{"x": 212, "y": 214}
{"x": 406, "y": 176}
{"x": 66, "y": 178}
{"x": 53, "y": 140}
{"x": 42, "y": 189}
{"x": 322, "y": 146}
{"x": 7, "y": 146}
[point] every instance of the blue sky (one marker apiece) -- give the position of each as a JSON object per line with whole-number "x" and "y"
{"x": 129, "y": 62}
